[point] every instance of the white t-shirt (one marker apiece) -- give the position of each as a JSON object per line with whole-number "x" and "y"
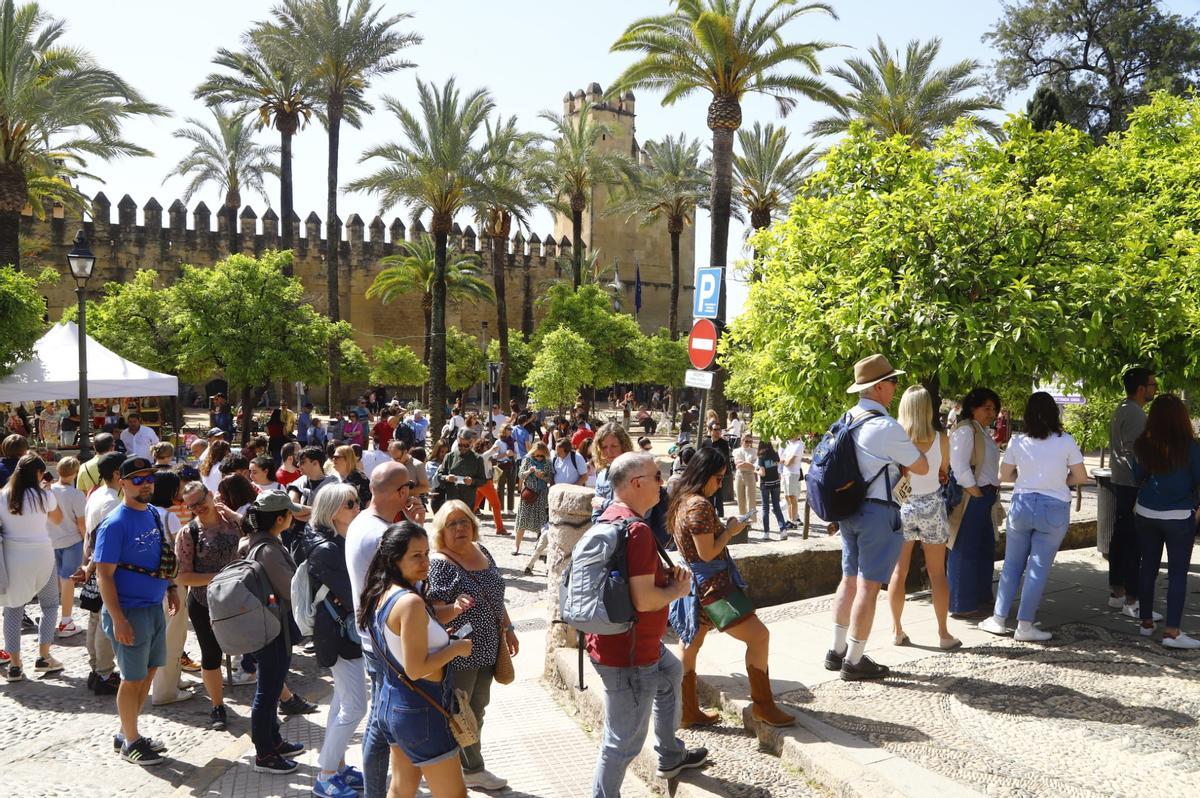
{"x": 1043, "y": 464}
{"x": 568, "y": 470}
{"x": 99, "y": 504}
{"x": 500, "y": 420}
{"x": 362, "y": 541}
{"x": 32, "y": 525}
{"x": 139, "y": 444}
{"x": 735, "y": 428}
{"x": 372, "y": 458}
{"x": 213, "y": 480}
{"x": 793, "y": 449}
{"x": 73, "y": 504}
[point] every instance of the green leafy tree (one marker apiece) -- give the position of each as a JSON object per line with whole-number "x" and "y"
{"x": 397, "y": 364}
{"x": 247, "y": 320}
{"x": 613, "y": 338}
{"x": 1101, "y": 57}
{"x": 440, "y": 167}
{"x": 278, "y": 93}
{"x": 354, "y": 364}
{"x": 574, "y": 167}
{"x": 58, "y": 108}
{"x": 414, "y": 270}
{"x": 340, "y": 51}
{"x": 1044, "y": 110}
{"x": 666, "y": 360}
{"x": 562, "y": 366}
{"x": 911, "y": 98}
{"x": 766, "y": 175}
{"x": 520, "y": 356}
{"x": 227, "y": 156}
{"x": 670, "y": 184}
{"x": 134, "y": 319}
{"x": 1089, "y": 423}
{"x": 466, "y": 358}
{"x": 23, "y": 310}
{"x": 725, "y": 48}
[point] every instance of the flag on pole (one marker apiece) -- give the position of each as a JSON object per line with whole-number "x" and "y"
{"x": 637, "y": 288}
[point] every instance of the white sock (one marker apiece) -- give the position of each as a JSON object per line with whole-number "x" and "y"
{"x": 839, "y": 638}
{"x": 854, "y": 652}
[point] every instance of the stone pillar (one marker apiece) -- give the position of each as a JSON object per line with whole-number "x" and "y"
{"x": 570, "y": 517}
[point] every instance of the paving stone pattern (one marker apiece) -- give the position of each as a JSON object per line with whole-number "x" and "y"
{"x": 1012, "y": 719}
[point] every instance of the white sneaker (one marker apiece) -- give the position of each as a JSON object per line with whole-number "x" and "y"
{"x": 1134, "y": 611}
{"x": 1116, "y": 602}
{"x": 68, "y": 628}
{"x": 783, "y": 536}
{"x": 1028, "y": 633}
{"x": 240, "y": 677}
{"x": 1180, "y": 641}
{"x": 1145, "y": 631}
{"x": 994, "y": 624}
{"x": 484, "y": 780}
{"x": 180, "y": 695}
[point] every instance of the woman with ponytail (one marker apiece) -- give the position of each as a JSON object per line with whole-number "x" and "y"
{"x": 405, "y": 632}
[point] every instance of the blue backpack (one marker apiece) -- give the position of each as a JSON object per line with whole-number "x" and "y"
{"x": 836, "y": 486}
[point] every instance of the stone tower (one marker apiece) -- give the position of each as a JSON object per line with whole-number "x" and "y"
{"x": 627, "y": 242}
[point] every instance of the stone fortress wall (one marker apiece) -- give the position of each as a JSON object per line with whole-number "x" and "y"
{"x": 123, "y": 246}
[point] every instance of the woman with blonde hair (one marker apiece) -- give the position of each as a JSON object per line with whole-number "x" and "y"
{"x": 923, "y": 516}
{"x": 345, "y": 465}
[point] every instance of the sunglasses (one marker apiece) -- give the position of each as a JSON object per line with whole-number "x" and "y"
{"x": 142, "y": 479}
{"x": 406, "y": 486}
{"x": 657, "y": 477}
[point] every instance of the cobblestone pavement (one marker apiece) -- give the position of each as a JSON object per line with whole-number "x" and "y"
{"x": 743, "y": 769}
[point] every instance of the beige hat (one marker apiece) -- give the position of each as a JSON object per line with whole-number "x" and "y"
{"x": 871, "y": 370}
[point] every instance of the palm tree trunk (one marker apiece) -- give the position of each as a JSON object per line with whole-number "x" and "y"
{"x": 673, "y": 310}
{"x": 286, "y": 205}
{"x": 526, "y": 299}
{"x": 10, "y": 239}
{"x": 437, "y": 349}
{"x": 334, "y": 389}
{"x": 427, "y": 312}
{"x": 501, "y": 313}
{"x": 722, "y": 187}
{"x": 576, "y": 244}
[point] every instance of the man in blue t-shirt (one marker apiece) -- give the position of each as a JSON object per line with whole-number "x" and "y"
{"x": 128, "y": 552}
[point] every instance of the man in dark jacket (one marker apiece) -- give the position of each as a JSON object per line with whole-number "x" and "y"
{"x": 461, "y": 471}
{"x": 716, "y": 441}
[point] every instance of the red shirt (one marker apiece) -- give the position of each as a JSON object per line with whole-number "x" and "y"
{"x": 642, "y": 555}
{"x": 286, "y": 477}
{"x": 580, "y": 436}
{"x": 382, "y": 432}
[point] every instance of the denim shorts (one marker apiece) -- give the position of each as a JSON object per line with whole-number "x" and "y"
{"x": 413, "y": 724}
{"x": 68, "y": 560}
{"x": 871, "y": 542}
{"x": 149, "y": 649}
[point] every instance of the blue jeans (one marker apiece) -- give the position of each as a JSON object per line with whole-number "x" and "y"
{"x": 629, "y": 696}
{"x": 770, "y": 501}
{"x": 970, "y": 564}
{"x": 1037, "y": 525}
{"x": 273, "y": 660}
{"x": 1179, "y": 537}
{"x": 376, "y": 752}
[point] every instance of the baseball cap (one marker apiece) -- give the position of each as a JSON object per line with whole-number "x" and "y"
{"x": 109, "y": 464}
{"x": 216, "y": 432}
{"x": 272, "y": 501}
{"x": 132, "y": 465}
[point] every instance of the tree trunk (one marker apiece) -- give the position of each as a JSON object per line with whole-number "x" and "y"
{"x": 427, "y": 312}
{"x": 526, "y": 299}
{"x": 673, "y": 309}
{"x": 437, "y": 349}
{"x": 722, "y": 121}
{"x": 247, "y": 412}
{"x": 231, "y": 213}
{"x": 576, "y": 243}
{"x": 501, "y": 311}
{"x": 10, "y": 239}
{"x": 332, "y": 236}
{"x": 758, "y": 222}
{"x": 286, "y": 209}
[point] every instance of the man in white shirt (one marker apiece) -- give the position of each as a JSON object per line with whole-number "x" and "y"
{"x": 792, "y": 460}
{"x": 569, "y": 466}
{"x": 102, "y": 501}
{"x": 372, "y": 458}
{"x": 498, "y": 417}
{"x": 138, "y": 439}
{"x": 389, "y": 496}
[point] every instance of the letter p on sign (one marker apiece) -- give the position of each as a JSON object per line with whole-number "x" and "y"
{"x": 708, "y": 294}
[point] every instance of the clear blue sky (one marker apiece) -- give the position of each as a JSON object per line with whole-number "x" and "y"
{"x": 527, "y": 53}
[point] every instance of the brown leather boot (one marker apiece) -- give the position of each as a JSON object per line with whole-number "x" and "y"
{"x": 693, "y": 715}
{"x": 765, "y": 709}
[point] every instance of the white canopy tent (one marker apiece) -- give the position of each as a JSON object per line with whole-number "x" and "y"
{"x": 53, "y": 373}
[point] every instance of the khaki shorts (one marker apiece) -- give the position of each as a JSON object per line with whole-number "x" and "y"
{"x": 791, "y": 484}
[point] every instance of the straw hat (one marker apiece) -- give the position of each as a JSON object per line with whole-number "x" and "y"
{"x": 871, "y": 370}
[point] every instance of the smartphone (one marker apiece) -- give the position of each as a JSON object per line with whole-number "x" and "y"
{"x": 463, "y": 631}
{"x": 744, "y": 518}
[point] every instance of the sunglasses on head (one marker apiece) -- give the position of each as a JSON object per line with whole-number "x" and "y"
{"x": 351, "y": 504}
{"x": 142, "y": 479}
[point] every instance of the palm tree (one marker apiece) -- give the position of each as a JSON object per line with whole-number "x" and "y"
{"x": 58, "y": 108}
{"x": 508, "y": 192}
{"x": 574, "y": 166}
{"x": 766, "y": 175}
{"x": 726, "y": 48}
{"x": 340, "y": 52}
{"x": 280, "y": 94}
{"x": 670, "y": 185}
{"x": 414, "y": 269}
{"x": 910, "y": 99}
{"x": 228, "y": 156}
{"x": 438, "y": 167}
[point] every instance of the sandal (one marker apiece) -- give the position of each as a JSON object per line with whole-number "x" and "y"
{"x": 949, "y": 643}
{"x": 900, "y": 639}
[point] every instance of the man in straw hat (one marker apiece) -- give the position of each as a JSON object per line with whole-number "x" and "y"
{"x": 871, "y": 539}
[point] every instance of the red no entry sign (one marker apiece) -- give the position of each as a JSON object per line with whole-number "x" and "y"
{"x": 702, "y": 343}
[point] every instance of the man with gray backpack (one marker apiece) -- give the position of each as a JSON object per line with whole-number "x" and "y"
{"x": 618, "y": 589}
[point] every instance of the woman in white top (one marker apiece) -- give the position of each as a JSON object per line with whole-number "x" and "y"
{"x": 923, "y": 516}
{"x": 1044, "y": 462}
{"x": 27, "y": 512}
{"x": 975, "y": 465}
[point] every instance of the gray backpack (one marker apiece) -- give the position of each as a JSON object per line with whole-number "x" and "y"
{"x": 239, "y": 605}
{"x": 594, "y": 596}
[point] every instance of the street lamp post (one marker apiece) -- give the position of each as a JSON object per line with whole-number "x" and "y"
{"x": 82, "y": 262}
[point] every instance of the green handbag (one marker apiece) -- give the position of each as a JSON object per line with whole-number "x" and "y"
{"x": 724, "y": 612}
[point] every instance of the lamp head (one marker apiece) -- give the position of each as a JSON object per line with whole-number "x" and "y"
{"x": 81, "y": 259}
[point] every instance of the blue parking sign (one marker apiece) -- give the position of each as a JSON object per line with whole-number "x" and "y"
{"x": 707, "y": 295}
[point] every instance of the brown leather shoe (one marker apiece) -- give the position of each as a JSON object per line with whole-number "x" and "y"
{"x": 693, "y": 715}
{"x": 765, "y": 709}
